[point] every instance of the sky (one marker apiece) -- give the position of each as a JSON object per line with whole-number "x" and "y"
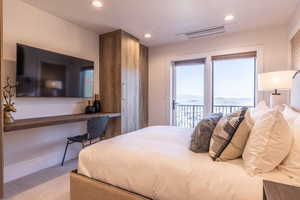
{"x": 233, "y": 78}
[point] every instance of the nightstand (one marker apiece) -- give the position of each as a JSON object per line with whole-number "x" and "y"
{"x": 278, "y": 191}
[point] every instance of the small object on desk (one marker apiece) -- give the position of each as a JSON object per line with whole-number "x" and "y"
{"x": 8, "y": 92}
{"x": 97, "y": 104}
{"x": 89, "y": 109}
{"x": 279, "y": 191}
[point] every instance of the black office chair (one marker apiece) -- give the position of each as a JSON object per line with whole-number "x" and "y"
{"x": 95, "y": 130}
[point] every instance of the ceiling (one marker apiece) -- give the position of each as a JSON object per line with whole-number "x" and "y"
{"x": 165, "y": 19}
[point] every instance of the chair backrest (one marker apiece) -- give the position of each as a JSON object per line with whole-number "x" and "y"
{"x": 96, "y": 127}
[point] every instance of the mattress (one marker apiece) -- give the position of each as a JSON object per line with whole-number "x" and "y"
{"x": 156, "y": 162}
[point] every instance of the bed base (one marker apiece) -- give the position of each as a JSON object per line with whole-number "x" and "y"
{"x": 82, "y": 187}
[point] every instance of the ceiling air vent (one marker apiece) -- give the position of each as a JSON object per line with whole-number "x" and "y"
{"x": 205, "y": 32}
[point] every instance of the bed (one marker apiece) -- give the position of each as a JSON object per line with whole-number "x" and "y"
{"x": 155, "y": 163}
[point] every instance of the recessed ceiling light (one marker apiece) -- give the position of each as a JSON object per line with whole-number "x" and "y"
{"x": 97, "y": 3}
{"x": 229, "y": 18}
{"x": 148, "y": 35}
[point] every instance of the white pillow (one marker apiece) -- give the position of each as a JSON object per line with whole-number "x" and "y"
{"x": 255, "y": 113}
{"x": 291, "y": 165}
{"x": 269, "y": 143}
{"x": 290, "y": 114}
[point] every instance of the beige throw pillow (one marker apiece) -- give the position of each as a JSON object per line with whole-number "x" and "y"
{"x": 269, "y": 143}
{"x": 230, "y": 137}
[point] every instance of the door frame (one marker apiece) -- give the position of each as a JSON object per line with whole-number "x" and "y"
{"x": 206, "y": 83}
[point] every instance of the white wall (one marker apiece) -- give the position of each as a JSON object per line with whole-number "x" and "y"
{"x": 28, "y": 151}
{"x": 273, "y": 42}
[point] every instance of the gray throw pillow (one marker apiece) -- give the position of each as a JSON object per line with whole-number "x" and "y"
{"x": 202, "y": 133}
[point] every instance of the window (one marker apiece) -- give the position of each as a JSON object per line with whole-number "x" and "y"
{"x": 224, "y": 85}
{"x": 233, "y": 82}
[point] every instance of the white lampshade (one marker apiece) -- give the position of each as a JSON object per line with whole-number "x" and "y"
{"x": 280, "y": 80}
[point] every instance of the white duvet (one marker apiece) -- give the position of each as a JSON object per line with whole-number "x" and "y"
{"x": 156, "y": 162}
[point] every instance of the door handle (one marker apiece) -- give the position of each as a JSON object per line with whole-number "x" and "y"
{"x": 173, "y": 104}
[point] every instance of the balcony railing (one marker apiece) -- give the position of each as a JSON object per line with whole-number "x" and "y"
{"x": 188, "y": 116}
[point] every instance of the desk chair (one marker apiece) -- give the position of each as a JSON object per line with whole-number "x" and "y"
{"x": 95, "y": 130}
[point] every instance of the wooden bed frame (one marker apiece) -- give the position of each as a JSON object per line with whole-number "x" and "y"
{"x": 82, "y": 187}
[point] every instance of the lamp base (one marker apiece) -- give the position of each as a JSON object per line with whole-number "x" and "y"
{"x": 277, "y": 100}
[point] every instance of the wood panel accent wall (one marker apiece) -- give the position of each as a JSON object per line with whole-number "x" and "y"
{"x": 1, "y": 105}
{"x": 144, "y": 85}
{"x": 130, "y": 83}
{"x": 122, "y": 80}
{"x": 296, "y": 51}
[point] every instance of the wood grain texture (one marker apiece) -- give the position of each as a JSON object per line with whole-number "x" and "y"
{"x": 110, "y": 71}
{"x": 1, "y": 105}
{"x": 52, "y": 121}
{"x": 110, "y": 78}
{"x": 114, "y": 128}
{"x": 130, "y": 83}
{"x": 295, "y": 43}
{"x": 124, "y": 80}
{"x": 144, "y": 85}
{"x": 277, "y": 191}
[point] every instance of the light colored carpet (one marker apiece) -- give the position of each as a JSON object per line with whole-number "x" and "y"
{"x": 56, "y": 189}
{"x": 48, "y": 184}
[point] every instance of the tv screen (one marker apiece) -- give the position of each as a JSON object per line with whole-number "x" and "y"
{"x": 42, "y": 73}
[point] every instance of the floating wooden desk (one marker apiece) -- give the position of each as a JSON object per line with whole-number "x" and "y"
{"x": 56, "y": 120}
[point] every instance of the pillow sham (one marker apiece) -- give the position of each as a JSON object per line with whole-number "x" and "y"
{"x": 290, "y": 114}
{"x": 269, "y": 143}
{"x": 230, "y": 137}
{"x": 291, "y": 165}
{"x": 203, "y": 132}
{"x": 255, "y": 113}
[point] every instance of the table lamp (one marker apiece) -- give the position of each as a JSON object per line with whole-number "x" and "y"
{"x": 274, "y": 81}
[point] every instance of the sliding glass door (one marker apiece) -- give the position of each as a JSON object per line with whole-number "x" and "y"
{"x": 216, "y": 84}
{"x": 188, "y": 92}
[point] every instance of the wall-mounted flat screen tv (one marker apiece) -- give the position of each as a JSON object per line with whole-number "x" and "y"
{"x": 42, "y": 73}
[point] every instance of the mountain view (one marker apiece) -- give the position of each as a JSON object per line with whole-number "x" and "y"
{"x": 199, "y": 100}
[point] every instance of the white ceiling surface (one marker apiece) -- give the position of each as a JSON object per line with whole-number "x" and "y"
{"x": 165, "y": 19}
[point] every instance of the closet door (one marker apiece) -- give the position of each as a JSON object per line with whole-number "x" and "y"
{"x": 144, "y": 85}
{"x": 110, "y": 78}
{"x": 110, "y": 71}
{"x": 130, "y": 82}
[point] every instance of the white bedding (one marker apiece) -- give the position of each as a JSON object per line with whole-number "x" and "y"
{"x": 157, "y": 163}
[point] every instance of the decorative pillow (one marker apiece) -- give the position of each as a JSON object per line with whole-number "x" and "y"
{"x": 230, "y": 137}
{"x": 255, "y": 113}
{"x": 203, "y": 132}
{"x": 291, "y": 165}
{"x": 269, "y": 143}
{"x": 290, "y": 115}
